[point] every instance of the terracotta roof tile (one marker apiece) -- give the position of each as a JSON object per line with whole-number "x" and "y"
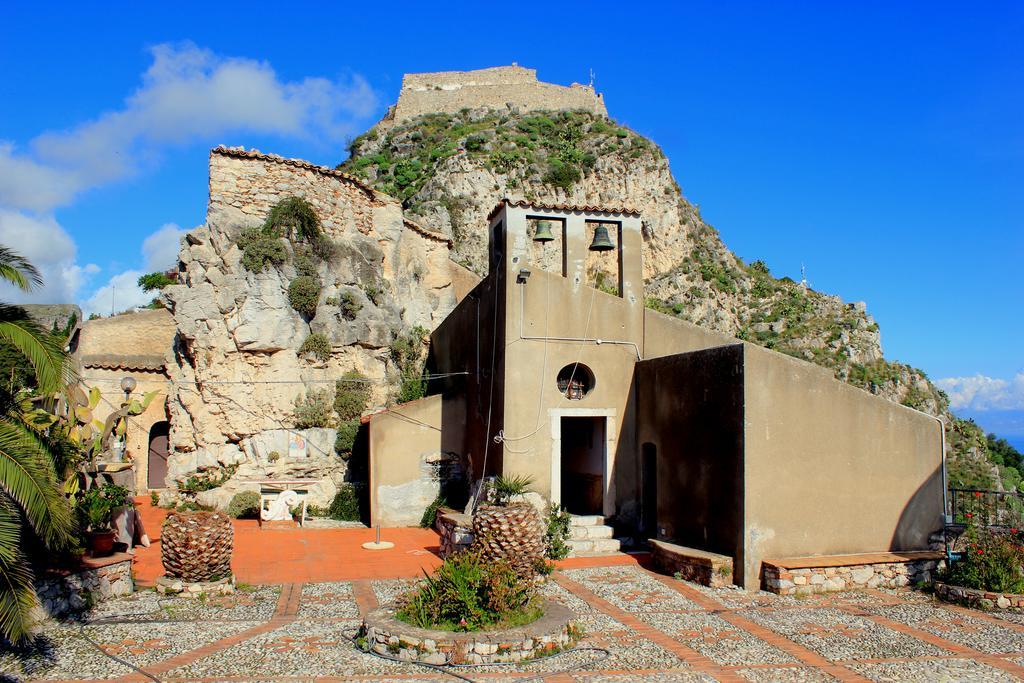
{"x": 416, "y": 227}
{"x": 591, "y": 208}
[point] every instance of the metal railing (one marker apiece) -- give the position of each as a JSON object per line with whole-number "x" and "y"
{"x": 986, "y": 508}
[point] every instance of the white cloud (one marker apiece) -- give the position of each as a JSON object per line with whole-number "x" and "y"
{"x": 121, "y": 293}
{"x": 984, "y": 393}
{"x": 51, "y": 250}
{"x": 188, "y": 93}
{"x": 161, "y": 248}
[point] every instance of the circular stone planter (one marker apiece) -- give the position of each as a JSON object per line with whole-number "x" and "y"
{"x": 979, "y": 599}
{"x": 169, "y": 585}
{"x": 386, "y": 635}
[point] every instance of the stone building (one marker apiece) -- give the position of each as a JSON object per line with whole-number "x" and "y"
{"x": 136, "y": 347}
{"x": 500, "y": 87}
{"x": 667, "y": 430}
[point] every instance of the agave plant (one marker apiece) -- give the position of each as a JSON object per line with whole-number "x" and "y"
{"x": 30, "y": 495}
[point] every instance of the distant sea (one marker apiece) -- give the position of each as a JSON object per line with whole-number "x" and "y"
{"x": 1007, "y": 424}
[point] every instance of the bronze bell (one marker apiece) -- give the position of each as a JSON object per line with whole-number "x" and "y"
{"x": 542, "y": 233}
{"x": 601, "y": 241}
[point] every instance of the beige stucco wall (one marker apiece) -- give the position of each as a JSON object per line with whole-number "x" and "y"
{"x": 550, "y": 306}
{"x": 831, "y": 469}
{"x": 405, "y": 442}
{"x": 109, "y": 384}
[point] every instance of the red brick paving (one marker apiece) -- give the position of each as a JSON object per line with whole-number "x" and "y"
{"x": 281, "y": 556}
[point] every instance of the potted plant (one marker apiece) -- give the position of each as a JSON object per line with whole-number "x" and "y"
{"x": 96, "y": 511}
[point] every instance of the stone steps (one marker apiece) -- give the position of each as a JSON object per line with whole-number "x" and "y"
{"x": 589, "y": 535}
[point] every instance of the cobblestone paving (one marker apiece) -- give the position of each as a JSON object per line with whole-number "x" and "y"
{"x": 653, "y": 628}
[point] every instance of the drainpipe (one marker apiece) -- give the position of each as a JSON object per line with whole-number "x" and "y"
{"x": 582, "y": 340}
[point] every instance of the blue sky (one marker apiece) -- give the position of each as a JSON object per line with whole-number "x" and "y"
{"x": 879, "y": 144}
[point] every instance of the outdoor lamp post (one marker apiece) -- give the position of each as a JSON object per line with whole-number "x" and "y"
{"x": 128, "y": 385}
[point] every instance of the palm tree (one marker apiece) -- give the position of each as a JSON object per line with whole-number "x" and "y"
{"x": 30, "y": 497}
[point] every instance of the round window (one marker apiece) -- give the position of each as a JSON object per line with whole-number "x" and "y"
{"x": 575, "y": 381}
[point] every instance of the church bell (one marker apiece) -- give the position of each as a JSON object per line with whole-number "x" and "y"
{"x": 542, "y": 233}
{"x": 601, "y": 241}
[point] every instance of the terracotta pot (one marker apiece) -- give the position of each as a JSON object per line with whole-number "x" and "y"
{"x": 101, "y": 543}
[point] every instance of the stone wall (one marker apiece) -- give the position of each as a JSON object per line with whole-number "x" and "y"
{"x": 494, "y": 88}
{"x": 809, "y": 580}
{"x": 978, "y": 599}
{"x": 455, "y": 530}
{"x": 237, "y": 369}
{"x": 97, "y": 580}
{"x": 690, "y": 564}
{"x": 384, "y": 634}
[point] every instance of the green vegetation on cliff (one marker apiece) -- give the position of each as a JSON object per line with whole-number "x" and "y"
{"x": 450, "y": 169}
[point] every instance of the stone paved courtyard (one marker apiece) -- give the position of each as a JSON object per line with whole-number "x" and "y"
{"x": 655, "y": 628}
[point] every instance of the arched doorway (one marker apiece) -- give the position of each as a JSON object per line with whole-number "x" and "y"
{"x": 158, "y": 450}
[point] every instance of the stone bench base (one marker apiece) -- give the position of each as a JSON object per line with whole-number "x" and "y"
{"x": 978, "y": 599}
{"x": 690, "y": 564}
{"x": 456, "y": 530}
{"x": 384, "y": 634}
{"x": 95, "y": 580}
{"x": 809, "y": 575}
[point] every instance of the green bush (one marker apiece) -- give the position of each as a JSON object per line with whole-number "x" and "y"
{"x": 296, "y": 219}
{"x": 407, "y": 352}
{"x": 304, "y": 295}
{"x": 152, "y": 281}
{"x": 244, "y": 505}
{"x": 349, "y": 305}
{"x": 430, "y": 514}
{"x": 990, "y": 560}
{"x": 345, "y": 439}
{"x": 305, "y": 266}
{"x": 351, "y": 395}
{"x": 345, "y": 506}
{"x": 260, "y": 249}
{"x": 468, "y": 593}
{"x": 315, "y": 409}
{"x": 207, "y": 480}
{"x": 318, "y": 345}
{"x": 557, "y": 533}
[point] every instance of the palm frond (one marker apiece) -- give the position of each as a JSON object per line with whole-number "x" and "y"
{"x": 17, "y": 595}
{"x": 17, "y": 270}
{"x": 27, "y": 477}
{"x": 43, "y": 352}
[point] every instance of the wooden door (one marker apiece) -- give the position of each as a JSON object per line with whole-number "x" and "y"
{"x": 158, "y": 452}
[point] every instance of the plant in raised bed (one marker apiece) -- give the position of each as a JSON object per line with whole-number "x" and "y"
{"x": 197, "y": 546}
{"x": 470, "y": 592}
{"x": 510, "y": 529}
{"x": 989, "y": 559}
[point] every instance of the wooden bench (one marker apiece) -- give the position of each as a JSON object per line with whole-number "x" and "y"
{"x": 828, "y": 573}
{"x": 691, "y": 564}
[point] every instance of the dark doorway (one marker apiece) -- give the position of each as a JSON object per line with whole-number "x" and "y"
{"x": 649, "y": 490}
{"x": 158, "y": 450}
{"x": 583, "y": 463}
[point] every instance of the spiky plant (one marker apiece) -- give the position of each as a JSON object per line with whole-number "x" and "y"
{"x": 30, "y": 496}
{"x": 510, "y": 531}
{"x": 197, "y": 546}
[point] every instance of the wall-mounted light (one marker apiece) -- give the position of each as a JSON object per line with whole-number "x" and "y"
{"x": 524, "y": 275}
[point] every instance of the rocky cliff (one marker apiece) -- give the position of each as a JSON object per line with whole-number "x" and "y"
{"x": 449, "y": 171}
{"x": 244, "y": 353}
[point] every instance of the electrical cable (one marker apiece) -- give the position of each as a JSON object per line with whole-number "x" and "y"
{"x": 500, "y": 436}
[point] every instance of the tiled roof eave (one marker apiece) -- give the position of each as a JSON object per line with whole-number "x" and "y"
{"x": 550, "y": 206}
